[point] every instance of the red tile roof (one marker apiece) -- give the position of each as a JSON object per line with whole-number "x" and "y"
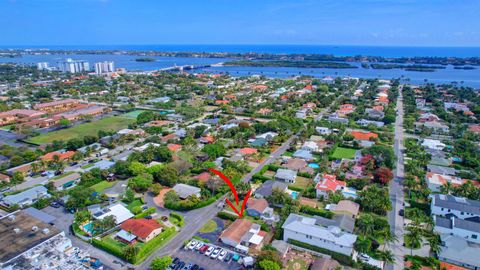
{"x": 140, "y": 227}
{"x": 363, "y": 136}
{"x": 203, "y": 177}
{"x": 248, "y": 151}
{"x": 257, "y": 204}
{"x": 174, "y": 147}
{"x": 61, "y": 156}
{"x": 329, "y": 183}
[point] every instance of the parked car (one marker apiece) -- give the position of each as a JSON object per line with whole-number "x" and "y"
{"x": 199, "y": 245}
{"x": 203, "y": 249}
{"x": 222, "y": 255}
{"x": 195, "y": 267}
{"x": 215, "y": 253}
{"x": 192, "y": 244}
{"x": 228, "y": 257}
{"x": 209, "y": 251}
{"x": 73, "y": 163}
{"x": 188, "y": 266}
{"x": 55, "y": 204}
{"x": 401, "y": 212}
{"x": 180, "y": 265}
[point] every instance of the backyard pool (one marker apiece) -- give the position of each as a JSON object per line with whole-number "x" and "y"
{"x": 88, "y": 228}
{"x": 294, "y": 195}
{"x": 313, "y": 165}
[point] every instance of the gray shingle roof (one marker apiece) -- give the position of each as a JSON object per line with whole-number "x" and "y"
{"x": 457, "y": 203}
{"x": 453, "y": 222}
{"x": 441, "y": 169}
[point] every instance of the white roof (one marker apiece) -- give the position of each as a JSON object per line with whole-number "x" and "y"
{"x": 256, "y": 239}
{"x": 306, "y": 225}
{"x": 120, "y": 212}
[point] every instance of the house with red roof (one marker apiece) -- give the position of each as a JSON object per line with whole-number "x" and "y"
{"x": 345, "y": 109}
{"x": 174, "y": 147}
{"x": 62, "y": 155}
{"x": 247, "y": 151}
{"x": 328, "y": 183}
{"x": 207, "y": 139}
{"x": 474, "y": 128}
{"x": 364, "y": 136}
{"x": 141, "y": 229}
{"x": 203, "y": 177}
{"x": 221, "y": 102}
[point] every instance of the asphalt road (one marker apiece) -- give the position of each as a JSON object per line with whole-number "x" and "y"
{"x": 396, "y": 192}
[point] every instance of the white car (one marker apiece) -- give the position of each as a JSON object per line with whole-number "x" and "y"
{"x": 209, "y": 251}
{"x": 222, "y": 255}
{"x": 199, "y": 245}
{"x": 192, "y": 244}
{"x": 215, "y": 253}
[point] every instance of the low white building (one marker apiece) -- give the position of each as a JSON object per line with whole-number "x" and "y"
{"x": 323, "y": 130}
{"x": 310, "y": 146}
{"x": 120, "y": 212}
{"x": 466, "y": 229}
{"x": 435, "y": 181}
{"x": 433, "y": 144}
{"x": 305, "y": 229}
{"x": 443, "y": 205}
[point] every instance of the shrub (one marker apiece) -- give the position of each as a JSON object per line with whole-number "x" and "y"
{"x": 227, "y": 216}
{"x": 108, "y": 247}
{"x": 145, "y": 213}
{"x": 316, "y": 212}
{"x": 177, "y": 219}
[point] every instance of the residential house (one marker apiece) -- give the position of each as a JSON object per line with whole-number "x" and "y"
{"x": 299, "y": 165}
{"x": 459, "y": 251}
{"x": 259, "y": 208}
{"x": 449, "y": 205}
{"x": 26, "y": 197}
{"x": 441, "y": 169}
{"x": 375, "y": 114}
{"x": 303, "y": 154}
{"x": 327, "y": 183}
{"x": 345, "y": 207}
{"x": 365, "y": 123}
{"x": 184, "y": 191}
{"x": 310, "y": 146}
{"x": 433, "y": 144}
{"x": 60, "y": 155}
{"x": 265, "y": 190}
{"x": 242, "y": 234}
{"x": 141, "y": 229}
{"x": 102, "y": 165}
{"x": 67, "y": 181}
{"x": 323, "y": 130}
{"x": 466, "y": 229}
{"x": 335, "y": 118}
{"x": 305, "y": 229}
{"x": 118, "y": 211}
{"x": 436, "y": 181}
{"x": 342, "y": 221}
{"x": 285, "y": 175}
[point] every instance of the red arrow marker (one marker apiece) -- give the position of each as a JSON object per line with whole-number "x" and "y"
{"x": 235, "y": 194}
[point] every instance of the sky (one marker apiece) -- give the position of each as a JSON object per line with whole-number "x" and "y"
{"x": 314, "y": 22}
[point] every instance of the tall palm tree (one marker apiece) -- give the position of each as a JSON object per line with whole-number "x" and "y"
{"x": 414, "y": 236}
{"x": 386, "y": 256}
{"x": 366, "y": 224}
{"x": 446, "y": 188}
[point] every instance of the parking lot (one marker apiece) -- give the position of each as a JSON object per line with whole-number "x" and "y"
{"x": 206, "y": 262}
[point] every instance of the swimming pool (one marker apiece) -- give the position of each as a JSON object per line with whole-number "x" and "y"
{"x": 294, "y": 195}
{"x": 88, "y": 228}
{"x": 313, "y": 165}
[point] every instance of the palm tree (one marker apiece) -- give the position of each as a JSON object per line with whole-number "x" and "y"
{"x": 435, "y": 242}
{"x": 366, "y": 224}
{"x": 446, "y": 188}
{"x": 386, "y": 256}
{"x": 414, "y": 236}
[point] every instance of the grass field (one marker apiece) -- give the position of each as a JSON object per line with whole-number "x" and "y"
{"x": 341, "y": 152}
{"x": 296, "y": 264}
{"x": 133, "y": 114}
{"x": 135, "y": 203}
{"x": 302, "y": 182}
{"x": 100, "y": 187}
{"x": 110, "y": 123}
{"x": 209, "y": 227}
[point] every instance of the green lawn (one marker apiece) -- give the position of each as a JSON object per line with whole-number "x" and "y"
{"x": 135, "y": 203}
{"x": 341, "y": 152}
{"x": 302, "y": 182}
{"x": 110, "y": 123}
{"x": 297, "y": 264}
{"x": 209, "y": 227}
{"x": 62, "y": 176}
{"x": 100, "y": 187}
{"x": 7, "y": 128}
{"x": 133, "y": 114}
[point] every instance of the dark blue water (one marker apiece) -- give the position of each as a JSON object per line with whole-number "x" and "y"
{"x": 340, "y": 50}
{"x": 448, "y": 75}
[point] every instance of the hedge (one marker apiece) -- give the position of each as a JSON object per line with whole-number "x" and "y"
{"x": 180, "y": 221}
{"x": 295, "y": 188}
{"x": 114, "y": 250}
{"x": 260, "y": 177}
{"x": 145, "y": 213}
{"x": 179, "y": 207}
{"x": 341, "y": 258}
{"x": 225, "y": 215}
{"x": 154, "y": 244}
{"x": 316, "y": 212}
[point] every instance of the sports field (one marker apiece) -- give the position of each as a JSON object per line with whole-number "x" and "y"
{"x": 114, "y": 123}
{"x": 341, "y": 152}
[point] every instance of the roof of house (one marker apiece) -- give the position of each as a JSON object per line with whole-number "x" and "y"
{"x": 266, "y": 188}
{"x": 304, "y": 154}
{"x": 248, "y": 151}
{"x": 329, "y": 184}
{"x": 441, "y": 179}
{"x": 237, "y": 230}
{"x": 203, "y": 177}
{"x": 61, "y": 155}
{"x": 456, "y": 203}
{"x": 140, "y": 227}
{"x": 286, "y": 174}
{"x": 174, "y": 147}
{"x": 344, "y": 222}
{"x": 39, "y": 214}
{"x": 363, "y": 136}
{"x": 66, "y": 179}
{"x": 120, "y": 212}
{"x": 459, "y": 250}
{"x": 295, "y": 164}
{"x": 452, "y": 223}
{"x": 308, "y": 226}
{"x": 184, "y": 191}
{"x": 441, "y": 169}
{"x": 449, "y": 266}
{"x": 321, "y": 263}
{"x": 348, "y": 206}
{"x": 257, "y": 204}
{"x": 26, "y": 195}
